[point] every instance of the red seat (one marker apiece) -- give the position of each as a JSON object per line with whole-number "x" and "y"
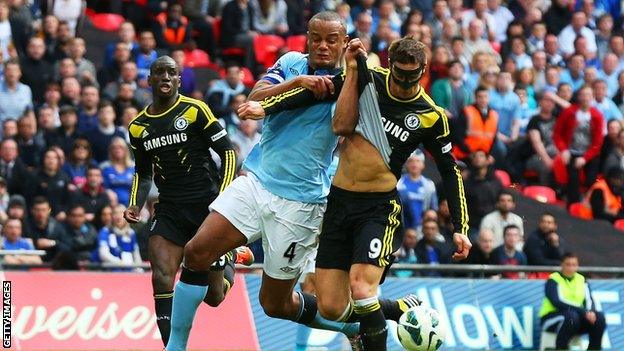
{"x": 216, "y": 32}
{"x": 197, "y": 59}
{"x": 579, "y": 210}
{"x": 297, "y": 43}
{"x": 108, "y": 22}
{"x": 504, "y": 178}
{"x": 248, "y": 77}
{"x": 266, "y": 48}
{"x": 541, "y": 193}
{"x": 619, "y": 224}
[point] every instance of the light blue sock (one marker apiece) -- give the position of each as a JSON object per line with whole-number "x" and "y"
{"x": 303, "y": 333}
{"x": 186, "y": 300}
{"x": 348, "y": 329}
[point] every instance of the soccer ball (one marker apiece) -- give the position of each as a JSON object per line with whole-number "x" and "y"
{"x": 419, "y": 329}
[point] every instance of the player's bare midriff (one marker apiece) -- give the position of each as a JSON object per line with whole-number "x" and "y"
{"x": 361, "y": 167}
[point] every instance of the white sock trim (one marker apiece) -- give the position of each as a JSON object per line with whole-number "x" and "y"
{"x": 366, "y": 301}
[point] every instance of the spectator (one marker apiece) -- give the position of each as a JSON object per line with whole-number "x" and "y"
{"x": 519, "y": 53}
{"x": 50, "y": 36}
{"x": 507, "y": 254}
{"x": 4, "y": 200}
{"x": 417, "y": 192}
{"x": 12, "y": 240}
{"x": 118, "y": 170}
{"x": 30, "y": 143}
{"x": 171, "y": 28}
{"x": 551, "y": 47}
{"x": 452, "y": 93}
{"x": 53, "y": 184}
{"x": 46, "y": 232}
{"x": 269, "y": 16}
{"x": 575, "y": 73}
{"x": 105, "y": 131}
{"x": 482, "y": 189}
{"x": 126, "y": 37}
{"x": 65, "y": 35}
{"x": 222, "y": 91}
{"x": 68, "y": 11}
{"x": 366, "y": 6}
{"x": 603, "y": 34}
{"x": 609, "y": 72}
{"x": 480, "y": 11}
{"x": 502, "y": 18}
{"x": 203, "y": 16}
{"x": 104, "y": 218}
{"x": 342, "y": 9}
{"x": 15, "y": 97}
{"x": 440, "y": 14}
{"x": 145, "y": 55}
{"x": 543, "y": 149}
{"x": 577, "y": 27}
{"x": 407, "y": 253}
{"x": 129, "y": 75}
{"x": 118, "y": 242}
{"x": 502, "y": 217}
{"x": 79, "y": 160}
{"x": 9, "y": 129}
{"x": 558, "y": 16}
{"x": 475, "y": 42}
{"x": 615, "y": 157}
{"x": 80, "y": 236}
{"x": 537, "y": 37}
{"x": 604, "y": 104}
{"x": 578, "y": 137}
{"x": 12, "y": 169}
{"x": 507, "y": 104}
{"x": 481, "y": 63}
{"x": 65, "y": 135}
{"x": 17, "y": 208}
{"x": 187, "y": 75}
{"x": 85, "y": 70}
{"x": 87, "y": 110}
{"x": 605, "y": 196}
{"x": 111, "y": 72}
{"x": 246, "y": 137}
{"x": 528, "y": 108}
{"x": 475, "y": 127}
{"x": 70, "y": 92}
{"x": 363, "y": 27}
{"x": 125, "y": 98}
{"x": 52, "y": 98}
{"x": 482, "y": 252}
{"x": 92, "y": 196}
{"x": 568, "y": 308}
{"x": 237, "y": 21}
{"x": 5, "y": 31}
{"x": 230, "y": 121}
{"x": 543, "y": 246}
{"x": 580, "y": 46}
{"x": 429, "y": 250}
{"x": 37, "y": 71}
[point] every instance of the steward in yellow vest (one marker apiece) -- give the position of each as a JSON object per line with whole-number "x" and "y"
{"x": 568, "y": 308}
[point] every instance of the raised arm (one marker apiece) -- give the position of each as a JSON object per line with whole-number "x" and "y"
{"x": 347, "y": 111}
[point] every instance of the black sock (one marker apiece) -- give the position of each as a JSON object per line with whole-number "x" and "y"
{"x": 373, "y": 329}
{"x": 162, "y": 302}
{"x": 390, "y": 309}
{"x": 228, "y": 273}
{"x": 307, "y": 310}
{"x": 194, "y": 277}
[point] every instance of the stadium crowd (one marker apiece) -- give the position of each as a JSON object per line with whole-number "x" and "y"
{"x": 534, "y": 90}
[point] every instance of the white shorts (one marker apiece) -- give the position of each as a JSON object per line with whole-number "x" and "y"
{"x": 289, "y": 229}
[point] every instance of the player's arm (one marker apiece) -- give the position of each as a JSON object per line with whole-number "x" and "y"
{"x": 217, "y": 138}
{"x": 438, "y": 143}
{"x": 347, "y": 108}
{"x": 141, "y": 183}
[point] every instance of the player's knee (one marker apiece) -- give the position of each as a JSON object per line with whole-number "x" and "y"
{"x": 194, "y": 257}
{"x": 273, "y": 308}
{"x": 331, "y": 310}
{"x": 162, "y": 278}
{"x": 362, "y": 290}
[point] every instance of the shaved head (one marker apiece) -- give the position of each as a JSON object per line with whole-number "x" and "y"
{"x": 163, "y": 61}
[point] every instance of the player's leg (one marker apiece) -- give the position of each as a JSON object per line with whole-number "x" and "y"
{"x": 364, "y": 282}
{"x": 165, "y": 258}
{"x": 306, "y": 283}
{"x": 569, "y": 328}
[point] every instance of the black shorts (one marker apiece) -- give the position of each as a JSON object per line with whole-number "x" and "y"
{"x": 359, "y": 228}
{"x": 178, "y": 223}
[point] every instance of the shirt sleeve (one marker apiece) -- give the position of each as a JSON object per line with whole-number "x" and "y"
{"x": 278, "y": 73}
{"x": 215, "y": 136}
{"x": 438, "y": 143}
{"x": 143, "y": 172}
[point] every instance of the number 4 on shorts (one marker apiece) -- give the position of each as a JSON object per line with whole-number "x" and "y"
{"x": 290, "y": 252}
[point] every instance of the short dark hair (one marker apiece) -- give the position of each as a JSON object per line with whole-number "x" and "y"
{"x": 105, "y": 103}
{"x": 329, "y": 16}
{"x": 457, "y": 38}
{"x": 505, "y": 192}
{"x": 567, "y": 255}
{"x": 408, "y": 50}
{"x": 40, "y": 200}
{"x": 481, "y": 88}
{"x": 508, "y": 227}
{"x": 549, "y": 214}
{"x": 94, "y": 167}
{"x": 451, "y": 63}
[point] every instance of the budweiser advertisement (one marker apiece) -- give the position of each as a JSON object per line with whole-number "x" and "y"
{"x": 111, "y": 311}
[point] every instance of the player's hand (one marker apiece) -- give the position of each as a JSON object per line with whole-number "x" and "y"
{"x": 250, "y": 110}
{"x": 579, "y": 162}
{"x": 354, "y": 48}
{"x": 131, "y": 214}
{"x": 591, "y": 317}
{"x": 321, "y": 86}
{"x": 463, "y": 246}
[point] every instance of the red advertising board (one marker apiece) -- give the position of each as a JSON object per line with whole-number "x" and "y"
{"x": 113, "y": 311}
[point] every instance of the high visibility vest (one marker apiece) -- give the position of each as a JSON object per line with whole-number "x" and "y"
{"x": 571, "y": 292}
{"x": 173, "y": 36}
{"x": 480, "y": 133}
{"x": 613, "y": 203}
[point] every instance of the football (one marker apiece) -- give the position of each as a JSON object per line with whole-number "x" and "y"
{"x": 419, "y": 329}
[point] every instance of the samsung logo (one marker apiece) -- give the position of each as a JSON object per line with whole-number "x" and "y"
{"x": 395, "y": 130}
{"x": 164, "y": 141}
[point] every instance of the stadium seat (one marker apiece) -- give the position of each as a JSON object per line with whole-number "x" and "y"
{"x": 504, "y": 178}
{"x": 541, "y": 193}
{"x": 197, "y": 59}
{"x": 619, "y": 224}
{"x": 266, "y": 48}
{"x": 296, "y": 43}
{"x": 579, "y": 210}
{"x": 108, "y": 22}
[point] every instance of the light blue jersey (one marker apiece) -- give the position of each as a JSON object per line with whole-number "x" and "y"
{"x": 293, "y": 157}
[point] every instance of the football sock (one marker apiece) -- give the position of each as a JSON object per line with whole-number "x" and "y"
{"x": 228, "y": 273}
{"x": 162, "y": 305}
{"x": 308, "y": 315}
{"x": 301, "y": 341}
{"x": 373, "y": 329}
{"x": 189, "y": 293}
{"x": 392, "y": 310}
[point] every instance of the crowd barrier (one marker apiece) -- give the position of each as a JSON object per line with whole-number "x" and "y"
{"x": 114, "y": 311}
